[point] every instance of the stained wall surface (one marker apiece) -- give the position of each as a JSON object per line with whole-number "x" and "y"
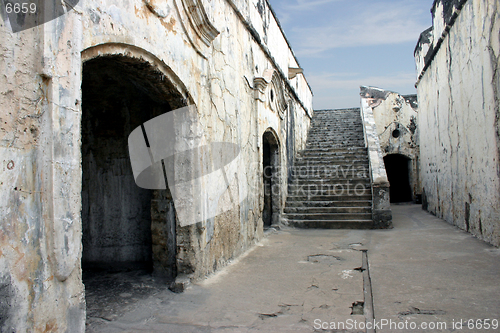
{"x": 459, "y": 102}
{"x": 396, "y": 119}
{"x": 229, "y": 58}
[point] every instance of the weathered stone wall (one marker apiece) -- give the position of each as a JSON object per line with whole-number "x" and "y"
{"x": 459, "y": 103}
{"x": 396, "y": 118}
{"x": 381, "y": 206}
{"x": 229, "y": 58}
{"x": 29, "y": 276}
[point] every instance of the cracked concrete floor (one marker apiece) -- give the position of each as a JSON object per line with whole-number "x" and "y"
{"x": 422, "y": 271}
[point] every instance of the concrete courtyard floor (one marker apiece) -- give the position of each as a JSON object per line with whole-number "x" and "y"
{"x": 424, "y": 276}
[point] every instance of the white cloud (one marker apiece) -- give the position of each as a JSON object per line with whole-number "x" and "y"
{"x": 300, "y": 5}
{"x": 288, "y": 10}
{"x": 328, "y": 81}
{"x": 373, "y": 24}
{"x": 341, "y": 90}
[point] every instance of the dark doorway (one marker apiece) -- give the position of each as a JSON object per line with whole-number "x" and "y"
{"x": 128, "y": 232}
{"x": 398, "y": 172}
{"x": 270, "y": 152}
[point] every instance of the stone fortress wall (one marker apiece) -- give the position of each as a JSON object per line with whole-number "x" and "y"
{"x": 396, "y": 120}
{"x": 459, "y": 119}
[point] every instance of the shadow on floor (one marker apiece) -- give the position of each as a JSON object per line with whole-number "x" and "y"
{"x": 111, "y": 292}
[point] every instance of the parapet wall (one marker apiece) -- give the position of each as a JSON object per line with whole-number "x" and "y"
{"x": 381, "y": 206}
{"x": 396, "y": 117}
{"x": 459, "y": 120}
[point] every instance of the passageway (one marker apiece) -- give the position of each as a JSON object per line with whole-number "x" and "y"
{"x": 128, "y": 232}
{"x": 270, "y": 155}
{"x": 398, "y": 172}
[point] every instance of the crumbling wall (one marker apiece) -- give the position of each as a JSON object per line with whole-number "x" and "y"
{"x": 229, "y": 58}
{"x": 459, "y": 102}
{"x": 34, "y": 295}
{"x": 396, "y": 117}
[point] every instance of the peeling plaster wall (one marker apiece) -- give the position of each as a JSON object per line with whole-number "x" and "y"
{"x": 459, "y": 102}
{"x": 33, "y": 295}
{"x": 394, "y": 112}
{"x": 228, "y": 75}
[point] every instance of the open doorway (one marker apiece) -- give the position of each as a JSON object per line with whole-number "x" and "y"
{"x": 129, "y": 233}
{"x": 270, "y": 164}
{"x": 398, "y": 173}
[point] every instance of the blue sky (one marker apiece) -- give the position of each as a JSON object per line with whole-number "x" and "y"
{"x": 342, "y": 44}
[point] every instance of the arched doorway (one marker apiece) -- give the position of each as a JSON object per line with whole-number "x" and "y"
{"x": 270, "y": 163}
{"x": 398, "y": 173}
{"x": 127, "y": 232}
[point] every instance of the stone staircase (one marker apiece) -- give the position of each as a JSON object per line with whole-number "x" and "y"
{"x": 331, "y": 185}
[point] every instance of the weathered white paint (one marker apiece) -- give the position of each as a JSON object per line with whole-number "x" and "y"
{"x": 381, "y": 209}
{"x": 459, "y": 102}
{"x": 392, "y": 111}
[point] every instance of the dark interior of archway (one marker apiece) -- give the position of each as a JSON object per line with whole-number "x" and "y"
{"x": 270, "y": 160}
{"x": 267, "y": 214}
{"x": 118, "y": 95}
{"x": 397, "y": 167}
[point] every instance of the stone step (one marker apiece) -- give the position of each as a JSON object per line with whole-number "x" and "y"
{"x": 338, "y": 130}
{"x": 333, "y": 143}
{"x": 343, "y": 150}
{"x": 338, "y": 126}
{"x": 337, "y": 142}
{"x": 355, "y": 224}
{"x": 317, "y": 157}
{"x": 329, "y": 121}
{"x": 329, "y": 216}
{"x": 337, "y": 118}
{"x": 331, "y": 159}
{"x": 358, "y": 152}
{"x": 335, "y": 125}
{"x": 337, "y": 112}
{"x": 345, "y": 203}
{"x": 330, "y": 186}
{"x": 330, "y": 170}
{"x": 347, "y": 119}
{"x": 328, "y": 183}
{"x": 327, "y": 137}
{"x": 349, "y": 193}
{"x": 331, "y": 137}
{"x": 329, "y": 179}
{"x": 329, "y": 197}
{"x": 328, "y": 210}
{"x": 336, "y": 122}
{"x": 333, "y": 140}
{"x": 331, "y": 153}
{"x": 329, "y": 167}
{"x": 318, "y": 182}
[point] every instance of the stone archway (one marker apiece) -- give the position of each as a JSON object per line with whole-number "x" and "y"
{"x": 124, "y": 227}
{"x": 271, "y": 214}
{"x": 398, "y": 172}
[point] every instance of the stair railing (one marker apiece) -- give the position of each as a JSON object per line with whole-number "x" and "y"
{"x": 381, "y": 206}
